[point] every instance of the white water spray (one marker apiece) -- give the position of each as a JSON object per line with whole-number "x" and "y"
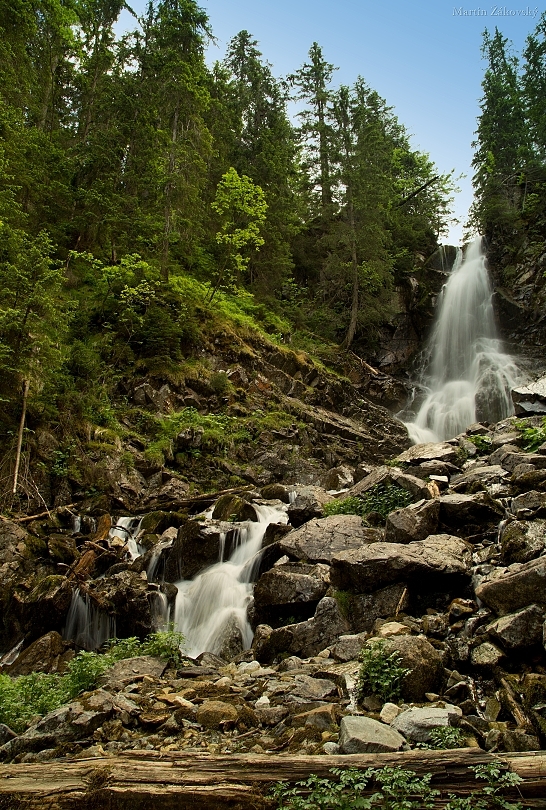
{"x": 467, "y": 376}
{"x": 218, "y": 597}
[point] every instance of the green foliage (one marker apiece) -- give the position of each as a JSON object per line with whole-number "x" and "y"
{"x": 533, "y": 437}
{"x": 481, "y": 443}
{"x": 26, "y": 697}
{"x": 380, "y": 672}
{"x": 445, "y": 737}
{"x": 393, "y": 789}
{"x": 381, "y": 498}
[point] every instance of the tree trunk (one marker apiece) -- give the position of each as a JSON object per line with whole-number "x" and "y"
{"x": 175, "y": 781}
{"x": 355, "y": 296}
{"x": 26, "y": 385}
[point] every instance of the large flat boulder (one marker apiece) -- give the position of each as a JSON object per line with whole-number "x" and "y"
{"x": 430, "y": 451}
{"x": 292, "y": 583}
{"x": 507, "y": 592}
{"x": 321, "y": 538}
{"x": 519, "y": 630}
{"x": 363, "y": 735}
{"x": 428, "y": 562}
{"x": 417, "y": 723}
{"x": 530, "y": 399}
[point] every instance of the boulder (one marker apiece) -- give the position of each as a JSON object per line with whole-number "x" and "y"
{"x": 489, "y": 478}
{"x": 303, "y": 639}
{"x": 308, "y": 504}
{"x": 415, "y": 522}
{"x": 416, "y": 723}
{"x": 530, "y": 399}
{"x": 347, "y": 648}
{"x": 233, "y": 508}
{"x": 197, "y": 546}
{"x": 337, "y": 478}
{"x": 520, "y": 630}
{"x": 310, "y": 689}
{"x": 522, "y": 540}
{"x": 391, "y": 475}
{"x": 319, "y": 539}
{"x": 126, "y": 670}
{"x": 365, "y": 608}
{"x": 423, "y": 662}
{"x": 486, "y": 656}
{"x": 291, "y": 583}
{"x": 215, "y": 714}
{"x": 469, "y": 514}
{"x": 430, "y": 451}
{"x": 363, "y": 735}
{"x": 507, "y": 592}
{"x": 528, "y": 504}
{"x": 273, "y": 492}
{"x": 431, "y": 562}
{"x": 43, "y": 655}
{"x": 62, "y": 548}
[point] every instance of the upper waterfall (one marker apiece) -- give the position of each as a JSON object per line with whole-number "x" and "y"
{"x": 466, "y": 376}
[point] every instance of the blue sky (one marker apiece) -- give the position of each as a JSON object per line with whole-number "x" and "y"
{"x": 423, "y": 58}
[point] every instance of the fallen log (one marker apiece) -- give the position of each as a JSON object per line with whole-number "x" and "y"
{"x": 139, "y": 780}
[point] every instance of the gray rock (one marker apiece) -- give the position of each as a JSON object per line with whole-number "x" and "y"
{"x": 522, "y": 541}
{"x": 337, "y": 478}
{"x": 528, "y": 502}
{"x": 464, "y": 512}
{"x": 126, "y": 670}
{"x": 321, "y": 538}
{"x": 431, "y": 451}
{"x": 429, "y": 561}
{"x": 291, "y": 583}
{"x": 415, "y": 522}
{"x": 519, "y": 630}
{"x": 362, "y": 735}
{"x": 391, "y": 475}
{"x": 347, "y": 648}
{"x": 365, "y": 608}
{"x": 530, "y": 399}
{"x": 6, "y": 734}
{"x": 308, "y": 504}
{"x": 510, "y": 591}
{"x": 311, "y": 689}
{"x": 486, "y": 655}
{"x": 303, "y": 639}
{"x": 423, "y": 662}
{"x": 196, "y": 547}
{"x": 416, "y": 724}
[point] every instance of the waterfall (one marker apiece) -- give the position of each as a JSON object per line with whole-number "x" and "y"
{"x": 86, "y": 624}
{"x": 217, "y": 598}
{"x": 467, "y": 377}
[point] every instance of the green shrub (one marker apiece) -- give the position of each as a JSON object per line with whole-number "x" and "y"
{"x": 28, "y": 696}
{"x": 445, "y": 737}
{"x": 393, "y": 789}
{"x": 380, "y": 672}
{"x": 533, "y": 437}
{"x": 382, "y": 498}
{"x": 481, "y": 443}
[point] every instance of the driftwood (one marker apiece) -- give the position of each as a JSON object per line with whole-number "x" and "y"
{"x": 140, "y": 780}
{"x": 185, "y": 503}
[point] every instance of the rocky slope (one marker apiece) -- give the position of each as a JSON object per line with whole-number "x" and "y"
{"x": 452, "y": 583}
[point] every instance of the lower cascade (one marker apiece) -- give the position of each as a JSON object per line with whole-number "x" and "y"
{"x": 467, "y": 376}
{"x": 214, "y": 605}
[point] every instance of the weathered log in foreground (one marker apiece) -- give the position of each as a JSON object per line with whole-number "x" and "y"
{"x": 141, "y": 780}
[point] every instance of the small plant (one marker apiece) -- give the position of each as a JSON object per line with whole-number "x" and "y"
{"x": 533, "y": 437}
{"x": 382, "y": 498}
{"x": 481, "y": 443}
{"x": 380, "y": 673}
{"x": 393, "y": 789}
{"x": 445, "y": 737}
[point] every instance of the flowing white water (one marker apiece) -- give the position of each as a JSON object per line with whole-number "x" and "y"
{"x": 218, "y": 597}
{"x": 87, "y": 625}
{"x": 467, "y": 376}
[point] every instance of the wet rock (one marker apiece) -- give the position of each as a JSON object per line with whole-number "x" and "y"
{"x": 232, "y": 508}
{"x": 518, "y": 740}
{"x": 43, "y": 655}
{"x": 528, "y": 504}
{"x": 509, "y": 591}
{"x": 197, "y": 546}
{"x": 428, "y": 562}
{"x": 6, "y": 734}
{"x": 489, "y": 478}
{"x": 216, "y": 714}
{"x": 47, "y": 604}
{"x": 307, "y": 504}
{"x": 530, "y": 399}
{"x": 232, "y": 643}
{"x": 416, "y": 724}
{"x": 415, "y": 522}
{"x": 291, "y": 583}
{"x": 319, "y": 539}
{"x": 522, "y": 541}
{"x": 519, "y": 630}
{"x": 62, "y": 548}
{"x": 273, "y": 492}
{"x": 362, "y": 735}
